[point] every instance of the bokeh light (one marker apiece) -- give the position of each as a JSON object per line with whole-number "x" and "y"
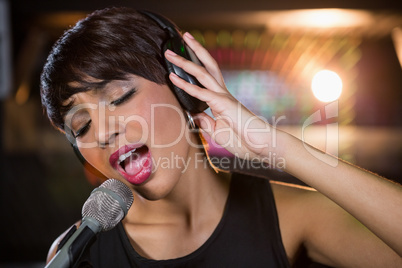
{"x": 326, "y": 86}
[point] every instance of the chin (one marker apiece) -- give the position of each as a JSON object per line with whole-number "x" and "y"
{"x": 153, "y": 190}
{"x": 151, "y": 195}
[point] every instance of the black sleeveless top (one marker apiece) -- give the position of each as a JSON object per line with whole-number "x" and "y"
{"x": 248, "y": 235}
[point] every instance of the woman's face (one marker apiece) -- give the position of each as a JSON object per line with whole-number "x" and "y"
{"x": 134, "y": 131}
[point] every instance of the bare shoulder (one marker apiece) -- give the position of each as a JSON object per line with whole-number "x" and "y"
{"x": 300, "y": 200}
{"x": 56, "y": 242}
{"x": 293, "y": 200}
{"x": 330, "y": 234}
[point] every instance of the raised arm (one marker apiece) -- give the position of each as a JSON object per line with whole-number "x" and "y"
{"x": 373, "y": 200}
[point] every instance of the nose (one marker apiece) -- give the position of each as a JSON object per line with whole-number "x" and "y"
{"x": 107, "y": 129}
{"x": 107, "y": 140}
{"x": 108, "y": 133}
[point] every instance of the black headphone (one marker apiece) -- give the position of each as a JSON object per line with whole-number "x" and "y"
{"x": 175, "y": 43}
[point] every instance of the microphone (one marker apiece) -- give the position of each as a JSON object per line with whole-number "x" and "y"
{"x": 104, "y": 209}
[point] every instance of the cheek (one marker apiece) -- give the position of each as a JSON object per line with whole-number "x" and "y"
{"x": 165, "y": 117}
{"x": 168, "y": 124}
{"x": 95, "y": 161}
{"x": 134, "y": 121}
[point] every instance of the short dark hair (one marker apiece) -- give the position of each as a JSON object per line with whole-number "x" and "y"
{"x": 107, "y": 45}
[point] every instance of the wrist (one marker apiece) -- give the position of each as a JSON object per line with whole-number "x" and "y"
{"x": 273, "y": 150}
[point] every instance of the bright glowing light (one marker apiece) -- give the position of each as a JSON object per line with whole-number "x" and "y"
{"x": 326, "y": 86}
{"x": 319, "y": 18}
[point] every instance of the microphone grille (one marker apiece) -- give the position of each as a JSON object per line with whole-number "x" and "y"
{"x": 108, "y": 204}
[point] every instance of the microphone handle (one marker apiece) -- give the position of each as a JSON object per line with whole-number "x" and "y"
{"x": 76, "y": 244}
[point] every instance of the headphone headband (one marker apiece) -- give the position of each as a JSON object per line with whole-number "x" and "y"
{"x": 163, "y": 22}
{"x": 176, "y": 43}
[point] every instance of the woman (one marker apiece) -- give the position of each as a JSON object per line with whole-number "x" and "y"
{"x": 106, "y": 87}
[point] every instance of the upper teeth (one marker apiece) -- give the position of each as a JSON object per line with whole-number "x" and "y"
{"x": 124, "y": 156}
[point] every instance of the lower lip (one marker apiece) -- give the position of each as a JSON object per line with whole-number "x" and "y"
{"x": 142, "y": 175}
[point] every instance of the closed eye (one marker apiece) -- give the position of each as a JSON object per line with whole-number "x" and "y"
{"x": 82, "y": 131}
{"x": 124, "y": 98}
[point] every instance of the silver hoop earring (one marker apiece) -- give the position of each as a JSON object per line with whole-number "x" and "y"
{"x": 191, "y": 123}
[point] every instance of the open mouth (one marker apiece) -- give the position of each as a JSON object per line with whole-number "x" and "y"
{"x": 133, "y": 162}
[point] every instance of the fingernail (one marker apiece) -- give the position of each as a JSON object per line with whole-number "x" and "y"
{"x": 189, "y": 35}
{"x": 171, "y": 53}
{"x": 173, "y": 75}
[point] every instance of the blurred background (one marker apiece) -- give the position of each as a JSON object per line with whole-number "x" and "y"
{"x": 272, "y": 54}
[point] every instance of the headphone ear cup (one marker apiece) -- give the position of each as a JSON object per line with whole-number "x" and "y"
{"x": 189, "y": 103}
{"x": 176, "y": 44}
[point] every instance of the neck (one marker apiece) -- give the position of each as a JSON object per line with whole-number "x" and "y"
{"x": 200, "y": 191}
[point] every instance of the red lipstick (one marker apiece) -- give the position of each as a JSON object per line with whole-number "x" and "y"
{"x": 133, "y": 162}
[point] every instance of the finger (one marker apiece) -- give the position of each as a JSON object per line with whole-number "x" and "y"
{"x": 207, "y": 126}
{"x": 205, "y": 122}
{"x": 205, "y": 57}
{"x": 219, "y": 103}
{"x": 202, "y": 94}
{"x": 199, "y": 72}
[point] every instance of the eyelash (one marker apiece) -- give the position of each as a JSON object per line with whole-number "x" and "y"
{"x": 124, "y": 98}
{"x": 82, "y": 131}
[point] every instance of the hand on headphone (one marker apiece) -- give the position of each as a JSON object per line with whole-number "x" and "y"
{"x": 234, "y": 127}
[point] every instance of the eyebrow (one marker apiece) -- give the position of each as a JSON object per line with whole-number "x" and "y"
{"x": 83, "y": 86}
{"x": 80, "y": 87}
{"x": 65, "y": 109}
